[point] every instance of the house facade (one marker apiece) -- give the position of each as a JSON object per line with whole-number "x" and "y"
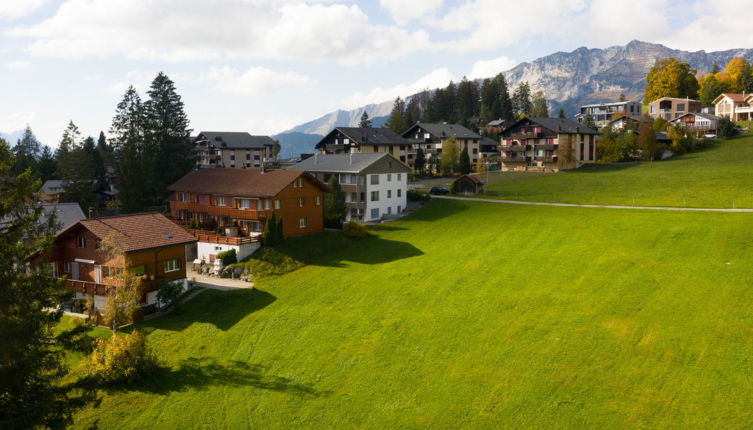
{"x": 228, "y": 208}
{"x": 154, "y": 248}
{"x": 232, "y": 149}
{"x": 734, "y": 106}
{"x": 603, "y": 113}
{"x": 540, "y": 142}
{"x": 702, "y": 122}
{"x": 375, "y": 184}
{"x": 670, "y": 108}
{"x": 346, "y": 140}
{"x": 431, "y": 136}
{"x": 632, "y": 122}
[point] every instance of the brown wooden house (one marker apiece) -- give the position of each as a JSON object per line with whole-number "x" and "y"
{"x": 467, "y": 184}
{"x": 154, "y": 246}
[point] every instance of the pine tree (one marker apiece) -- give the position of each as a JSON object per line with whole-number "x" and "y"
{"x": 168, "y": 151}
{"x": 506, "y": 111}
{"x": 420, "y": 161}
{"x": 27, "y": 152}
{"x": 33, "y": 393}
{"x": 47, "y": 165}
{"x": 466, "y": 102}
{"x": 714, "y": 68}
{"x": 68, "y": 142}
{"x": 95, "y": 158}
{"x": 127, "y": 142}
{"x": 365, "y": 121}
{"x": 396, "y": 121}
{"x": 334, "y": 204}
{"x": 561, "y": 114}
{"x": 521, "y": 100}
{"x": 412, "y": 112}
{"x": 464, "y": 163}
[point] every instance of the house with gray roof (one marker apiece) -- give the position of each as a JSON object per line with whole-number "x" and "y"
{"x": 547, "y": 144}
{"x": 431, "y": 136}
{"x": 232, "y": 149}
{"x": 375, "y": 184}
{"x": 344, "y": 140}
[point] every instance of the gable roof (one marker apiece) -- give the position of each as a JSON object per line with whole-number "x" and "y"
{"x": 488, "y": 141}
{"x": 701, "y": 114}
{"x": 239, "y": 182}
{"x": 138, "y": 231}
{"x": 471, "y": 178}
{"x": 344, "y": 163}
{"x": 233, "y": 140}
{"x": 735, "y": 97}
{"x": 444, "y": 130}
{"x": 557, "y": 125}
{"x": 66, "y": 214}
{"x": 53, "y": 186}
{"x": 677, "y": 99}
{"x": 367, "y": 136}
{"x": 637, "y": 118}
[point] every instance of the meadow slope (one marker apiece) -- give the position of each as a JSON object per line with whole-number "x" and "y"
{"x": 474, "y": 315}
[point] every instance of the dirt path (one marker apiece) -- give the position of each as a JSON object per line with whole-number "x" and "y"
{"x": 574, "y": 205}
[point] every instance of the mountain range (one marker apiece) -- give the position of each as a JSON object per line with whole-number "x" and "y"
{"x": 568, "y": 79}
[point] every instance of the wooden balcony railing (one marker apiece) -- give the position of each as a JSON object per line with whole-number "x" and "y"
{"x": 513, "y": 148}
{"x": 210, "y": 237}
{"x": 87, "y": 287}
{"x": 514, "y": 159}
{"x": 546, "y": 146}
{"x": 245, "y": 214}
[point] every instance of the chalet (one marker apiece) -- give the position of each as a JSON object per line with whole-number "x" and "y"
{"x": 467, "y": 184}
{"x": 344, "y": 140}
{"x": 488, "y": 147}
{"x": 670, "y": 108}
{"x": 537, "y": 143}
{"x": 154, "y": 247}
{"x": 232, "y": 149}
{"x": 702, "y": 122}
{"x": 603, "y": 113}
{"x": 375, "y": 184}
{"x": 632, "y": 122}
{"x": 430, "y": 138}
{"x": 737, "y": 107}
{"x": 227, "y": 208}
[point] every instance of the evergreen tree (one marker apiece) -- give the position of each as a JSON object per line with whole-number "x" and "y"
{"x": 334, "y": 204}
{"x": 622, "y": 97}
{"x": 168, "y": 151}
{"x": 104, "y": 150}
{"x": 466, "y": 102}
{"x": 447, "y": 109}
{"x": 365, "y": 121}
{"x": 521, "y": 100}
{"x": 47, "y": 165}
{"x": 68, "y": 142}
{"x": 561, "y": 114}
{"x": 33, "y": 393}
{"x": 589, "y": 122}
{"x": 432, "y": 112}
{"x": 276, "y": 147}
{"x": 745, "y": 79}
{"x": 539, "y": 106}
{"x": 27, "y": 152}
{"x": 464, "y": 163}
{"x": 272, "y": 235}
{"x": 127, "y": 141}
{"x": 95, "y": 159}
{"x": 420, "y": 161}
{"x": 506, "y": 111}
{"x": 396, "y": 121}
{"x": 412, "y": 112}
{"x": 714, "y": 68}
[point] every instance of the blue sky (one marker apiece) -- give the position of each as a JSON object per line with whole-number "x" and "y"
{"x": 263, "y": 66}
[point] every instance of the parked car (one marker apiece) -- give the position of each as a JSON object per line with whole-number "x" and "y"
{"x": 710, "y": 135}
{"x": 439, "y": 191}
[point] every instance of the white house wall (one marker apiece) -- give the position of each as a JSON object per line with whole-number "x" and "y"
{"x": 205, "y": 249}
{"x": 386, "y": 206}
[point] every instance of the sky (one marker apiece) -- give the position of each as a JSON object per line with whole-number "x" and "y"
{"x": 264, "y": 66}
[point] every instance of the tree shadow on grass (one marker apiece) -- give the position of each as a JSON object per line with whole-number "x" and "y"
{"x": 369, "y": 250}
{"x": 204, "y": 373}
{"x": 223, "y": 309}
{"x": 437, "y": 209}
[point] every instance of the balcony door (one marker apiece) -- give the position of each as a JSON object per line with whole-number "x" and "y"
{"x": 98, "y": 274}
{"x": 74, "y": 271}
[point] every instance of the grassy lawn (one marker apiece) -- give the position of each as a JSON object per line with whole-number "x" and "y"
{"x": 471, "y": 315}
{"x": 717, "y": 177}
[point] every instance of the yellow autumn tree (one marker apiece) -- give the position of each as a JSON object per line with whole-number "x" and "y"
{"x": 670, "y": 78}
{"x": 123, "y": 297}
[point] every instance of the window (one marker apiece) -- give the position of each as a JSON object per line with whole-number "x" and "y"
{"x": 318, "y": 200}
{"x": 221, "y": 201}
{"x": 374, "y": 179}
{"x": 389, "y": 210}
{"x": 399, "y": 208}
{"x": 301, "y": 201}
{"x": 138, "y": 270}
{"x": 680, "y": 107}
{"x": 81, "y": 242}
{"x": 389, "y": 194}
{"x": 375, "y": 213}
{"x": 172, "y": 265}
{"x": 244, "y": 203}
{"x": 399, "y": 193}
{"x": 375, "y": 196}
{"x": 267, "y": 204}
{"x": 581, "y": 150}
{"x": 302, "y": 223}
{"x": 389, "y": 177}
{"x": 182, "y": 197}
{"x": 67, "y": 267}
{"x": 399, "y": 176}
{"x": 298, "y": 183}
{"x": 111, "y": 272}
{"x": 277, "y": 204}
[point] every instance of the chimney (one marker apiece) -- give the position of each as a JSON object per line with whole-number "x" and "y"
{"x": 350, "y": 161}
{"x": 316, "y": 158}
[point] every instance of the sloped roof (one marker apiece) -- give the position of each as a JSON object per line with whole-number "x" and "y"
{"x": 66, "y": 214}
{"x": 735, "y": 97}
{"x": 238, "y": 182}
{"x": 561, "y": 125}
{"x": 344, "y": 163}
{"x": 488, "y": 141}
{"x": 53, "y": 186}
{"x": 701, "y": 114}
{"x": 139, "y": 231}
{"x": 445, "y": 130}
{"x": 368, "y": 136}
{"x": 471, "y": 178}
{"x": 637, "y": 118}
{"x": 235, "y": 139}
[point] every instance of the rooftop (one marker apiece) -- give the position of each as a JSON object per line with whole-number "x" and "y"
{"x": 445, "y": 130}
{"x": 368, "y": 136}
{"x": 233, "y": 139}
{"x": 139, "y": 231}
{"x": 237, "y": 182}
{"x": 343, "y": 163}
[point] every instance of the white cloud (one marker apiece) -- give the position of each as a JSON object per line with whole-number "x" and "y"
{"x": 728, "y": 27}
{"x": 434, "y": 79}
{"x": 618, "y": 22}
{"x": 490, "y": 68}
{"x": 18, "y": 65}
{"x": 140, "y": 79}
{"x": 254, "y": 81}
{"x": 14, "y": 9}
{"x": 16, "y": 121}
{"x": 196, "y": 30}
{"x": 404, "y": 11}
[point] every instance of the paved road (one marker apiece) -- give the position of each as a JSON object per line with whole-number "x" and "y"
{"x": 573, "y": 205}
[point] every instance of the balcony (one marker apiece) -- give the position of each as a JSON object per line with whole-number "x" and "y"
{"x": 87, "y": 287}
{"x": 334, "y": 148}
{"x": 519, "y": 136}
{"x": 355, "y": 205}
{"x": 552, "y": 159}
{"x": 514, "y": 159}
{"x": 212, "y": 237}
{"x": 235, "y": 213}
{"x": 513, "y": 148}
{"x": 545, "y": 146}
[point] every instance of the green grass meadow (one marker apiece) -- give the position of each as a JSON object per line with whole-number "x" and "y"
{"x": 720, "y": 177}
{"x": 474, "y": 315}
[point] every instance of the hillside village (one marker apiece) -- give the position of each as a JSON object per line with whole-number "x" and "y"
{"x": 156, "y": 226}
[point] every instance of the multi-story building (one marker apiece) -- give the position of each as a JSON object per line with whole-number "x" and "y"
{"x": 228, "y": 208}
{"x": 375, "y": 184}
{"x": 703, "y": 122}
{"x": 153, "y": 247}
{"x": 430, "y": 138}
{"x": 602, "y": 113}
{"x": 232, "y": 149}
{"x": 735, "y": 106}
{"x": 544, "y": 142}
{"x": 670, "y": 108}
{"x": 345, "y": 140}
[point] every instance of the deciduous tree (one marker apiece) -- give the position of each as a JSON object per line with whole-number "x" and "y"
{"x": 123, "y": 299}
{"x": 334, "y": 204}
{"x": 670, "y": 78}
{"x": 647, "y": 143}
{"x": 448, "y": 161}
{"x": 539, "y": 105}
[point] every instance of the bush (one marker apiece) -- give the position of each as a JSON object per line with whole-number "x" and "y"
{"x": 228, "y": 257}
{"x": 355, "y": 230}
{"x": 269, "y": 262}
{"x": 169, "y": 292}
{"x": 418, "y": 196}
{"x": 120, "y": 359}
{"x": 726, "y": 128}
